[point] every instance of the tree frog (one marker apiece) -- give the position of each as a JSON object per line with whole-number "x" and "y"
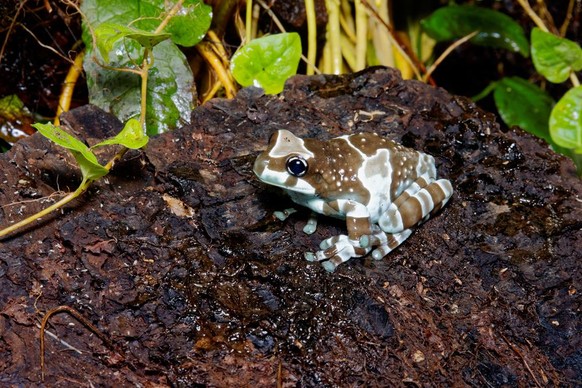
{"x": 381, "y": 188}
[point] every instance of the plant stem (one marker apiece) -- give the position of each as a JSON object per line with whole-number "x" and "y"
{"x": 69, "y": 86}
{"x": 534, "y": 16}
{"x": 65, "y": 200}
{"x": 216, "y": 64}
{"x": 333, "y": 35}
{"x": 311, "y": 36}
{"x": 249, "y": 21}
{"x": 361, "y": 35}
{"x": 169, "y": 16}
{"x": 574, "y": 79}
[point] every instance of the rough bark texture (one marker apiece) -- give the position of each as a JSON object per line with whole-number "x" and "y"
{"x": 176, "y": 256}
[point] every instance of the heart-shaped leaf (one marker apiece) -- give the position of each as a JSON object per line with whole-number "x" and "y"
{"x": 267, "y": 62}
{"x": 131, "y": 136}
{"x": 554, "y": 57}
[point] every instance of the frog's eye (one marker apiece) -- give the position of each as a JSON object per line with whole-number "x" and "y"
{"x": 297, "y": 166}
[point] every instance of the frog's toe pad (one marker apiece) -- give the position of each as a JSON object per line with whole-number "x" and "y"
{"x": 373, "y": 240}
{"x": 329, "y": 266}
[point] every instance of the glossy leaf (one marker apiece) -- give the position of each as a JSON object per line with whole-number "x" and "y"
{"x": 90, "y": 167}
{"x": 109, "y": 34}
{"x": 190, "y": 26}
{"x": 131, "y": 136}
{"x": 524, "y": 104}
{"x": 566, "y": 120}
{"x": 170, "y": 83}
{"x": 554, "y": 57}
{"x": 267, "y": 62}
{"x": 495, "y": 28}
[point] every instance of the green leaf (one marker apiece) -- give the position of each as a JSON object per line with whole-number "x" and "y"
{"x": 267, "y": 62}
{"x": 566, "y": 120}
{"x": 524, "y": 104}
{"x": 495, "y": 28}
{"x": 108, "y": 34}
{"x": 90, "y": 167}
{"x": 170, "y": 84}
{"x": 190, "y": 26}
{"x": 131, "y": 136}
{"x": 554, "y": 57}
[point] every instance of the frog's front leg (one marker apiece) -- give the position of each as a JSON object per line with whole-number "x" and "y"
{"x": 338, "y": 249}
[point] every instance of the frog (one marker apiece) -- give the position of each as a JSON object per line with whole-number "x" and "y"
{"x": 382, "y": 189}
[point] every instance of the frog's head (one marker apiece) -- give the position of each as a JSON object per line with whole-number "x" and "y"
{"x": 286, "y": 163}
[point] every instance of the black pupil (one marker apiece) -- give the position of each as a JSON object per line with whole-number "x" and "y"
{"x": 297, "y": 166}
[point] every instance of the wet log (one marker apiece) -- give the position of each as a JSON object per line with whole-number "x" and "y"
{"x": 177, "y": 258}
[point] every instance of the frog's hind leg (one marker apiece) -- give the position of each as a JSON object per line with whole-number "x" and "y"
{"x": 416, "y": 204}
{"x": 391, "y": 241}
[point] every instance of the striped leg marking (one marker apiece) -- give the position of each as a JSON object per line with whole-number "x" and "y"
{"x": 338, "y": 249}
{"x": 416, "y": 204}
{"x": 392, "y": 241}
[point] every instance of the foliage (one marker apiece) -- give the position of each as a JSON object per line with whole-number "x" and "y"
{"x": 518, "y": 101}
{"x": 566, "y": 121}
{"x": 90, "y": 167}
{"x": 524, "y": 104}
{"x": 131, "y": 136}
{"x": 494, "y": 29}
{"x": 267, "y": 62}
{"x": 130, "y": 34}
{"x": 555, "y": 58}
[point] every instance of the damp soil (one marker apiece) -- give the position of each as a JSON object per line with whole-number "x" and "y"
{"x": 177, "y": 259}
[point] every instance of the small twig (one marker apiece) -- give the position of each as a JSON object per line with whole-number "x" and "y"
{"x": 280, "y": 375}
{"x": 533, "y": 16}
{"x": 402, "y": 48}
{"x": 45, "y": 45}
{"x": 216, "y": 63}
{"x": 12, "y": 23}
{"x": 516, "y": 350}
{"x": 334, "y": 36}
{"x": 80, "y": 318}
{"x": 361, "y": 34}
{"x": 248, "y": 22}
{"x": 63, "y": 342}
{"x": 568, "y": 19}
{"x": 445, "y": 53}
{"x": 169, "y": 16}
{"x": 65, "y": 200}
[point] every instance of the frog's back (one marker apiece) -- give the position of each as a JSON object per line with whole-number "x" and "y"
{"x": 386, "y": 168}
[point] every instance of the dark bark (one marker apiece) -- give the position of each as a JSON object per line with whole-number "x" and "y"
{"x": 484, "y": 294}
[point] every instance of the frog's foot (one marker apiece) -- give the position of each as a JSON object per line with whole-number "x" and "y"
{"x": 311, "y": 225}
{"x": 336, "y": 250}
{"x": 282, "y": 215}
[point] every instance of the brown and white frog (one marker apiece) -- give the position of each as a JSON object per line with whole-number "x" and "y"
{"x": 381, "y": 188}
